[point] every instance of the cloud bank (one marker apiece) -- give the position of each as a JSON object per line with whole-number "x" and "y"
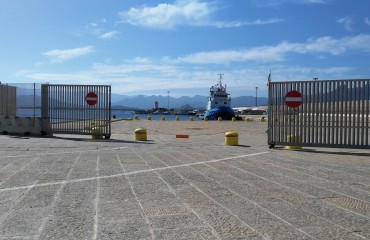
{"x": 57, "y": 55}
{"x": 181, "y": 13}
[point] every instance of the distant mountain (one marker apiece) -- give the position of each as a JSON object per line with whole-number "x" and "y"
{"x": 147, "y": 102}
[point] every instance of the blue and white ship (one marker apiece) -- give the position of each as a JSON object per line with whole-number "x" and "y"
{"x": 219, "y": 103}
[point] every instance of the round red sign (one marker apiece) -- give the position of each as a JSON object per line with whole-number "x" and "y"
{"x": 91, "y": 98}
{"x": 293, "y": 99}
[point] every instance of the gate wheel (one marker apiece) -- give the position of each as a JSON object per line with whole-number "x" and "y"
{"x": 272, "y": 145}
{"x": 107, "y": 136}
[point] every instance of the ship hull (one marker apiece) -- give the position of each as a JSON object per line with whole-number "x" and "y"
{"x": 226, "y": 113}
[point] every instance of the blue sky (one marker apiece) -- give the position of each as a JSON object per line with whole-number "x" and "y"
{"x": 151, "y": 47}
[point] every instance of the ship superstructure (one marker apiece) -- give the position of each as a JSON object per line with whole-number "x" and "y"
{"x": 218, "y": 96}
{"x": 219, "y": 102}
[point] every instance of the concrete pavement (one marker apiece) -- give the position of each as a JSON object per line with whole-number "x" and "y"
{"x": 72, "y": 187}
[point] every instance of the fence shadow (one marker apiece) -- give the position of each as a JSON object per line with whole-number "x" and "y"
{"x": 79, "y": 139}
{"x": 359, "y": 154}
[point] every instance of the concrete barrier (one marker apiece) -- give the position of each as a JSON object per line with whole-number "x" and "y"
{"x": 25, "y": 125}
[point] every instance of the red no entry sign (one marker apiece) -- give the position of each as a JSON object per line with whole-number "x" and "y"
{"x": 293, "y": 99}
{"x": 91, "y": 98}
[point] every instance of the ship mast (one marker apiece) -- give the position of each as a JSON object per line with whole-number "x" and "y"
{"x": 220, "y": 74}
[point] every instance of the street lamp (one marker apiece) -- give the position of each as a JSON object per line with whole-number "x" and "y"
{"x": 256, "y": 96}
{"x": 168, "y": 100}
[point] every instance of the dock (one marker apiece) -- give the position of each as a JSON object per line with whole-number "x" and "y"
{"x": 76, "y": 187}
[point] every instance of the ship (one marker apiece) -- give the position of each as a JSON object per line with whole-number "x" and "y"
{"x": 219, "y": 103}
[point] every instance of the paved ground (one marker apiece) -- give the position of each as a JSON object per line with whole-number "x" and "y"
{"x": 72, "y": 187}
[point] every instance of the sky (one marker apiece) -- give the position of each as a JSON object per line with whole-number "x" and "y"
{"x": 178, "y": 47}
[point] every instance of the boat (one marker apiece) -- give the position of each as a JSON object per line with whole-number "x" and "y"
{"x": 219, "y": 103}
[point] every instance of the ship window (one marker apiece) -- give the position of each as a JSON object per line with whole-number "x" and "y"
{"x": 216, "y": 102}
{"x": 225, "y": 103}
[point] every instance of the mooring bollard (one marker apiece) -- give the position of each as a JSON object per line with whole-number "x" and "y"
{"x": 149, "y": 118}
{"x": 191, "y": 119}
{"x": 95, "y": 133}
{"x": 231, "y": 138}
{"x": 136, "y": 117}
{"x": 219, "y": 119}
{"x": 140, "y": 134}
{"x": 163, "y": 118}
{"x": 293, "y": 139}
{"x": 177, "y": 119}
{"x": 205, "y": 119}
{"x": 233, "y": 119}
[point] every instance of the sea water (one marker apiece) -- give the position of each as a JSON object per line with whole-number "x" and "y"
{"x": 169, "y": 117}
{"x": 114, "y": 114}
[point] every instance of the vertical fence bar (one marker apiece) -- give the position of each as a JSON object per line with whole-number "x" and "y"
{"x": 358, "y": 113}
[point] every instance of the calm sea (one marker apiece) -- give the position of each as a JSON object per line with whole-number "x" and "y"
{"x": 115, "y": 113}
{"x": 120, "y": 114}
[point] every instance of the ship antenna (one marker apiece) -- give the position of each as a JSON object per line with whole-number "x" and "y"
{"x": 220, "y": 74}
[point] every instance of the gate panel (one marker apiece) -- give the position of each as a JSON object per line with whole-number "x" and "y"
{"x": 333, "y": 113}
{"x": 71, "y": 111}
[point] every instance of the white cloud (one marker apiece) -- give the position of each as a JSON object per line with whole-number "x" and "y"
{"x": 159, "y": 78}
{"x": 168, "y": 15}
{"x": 186, "y": 12}
{"x": 347, "y": 22}
{"x": 58, "y": 55}
{"x": 323, "y": 45}
{"x": 109, "y": 35}
{"x": 277, "y": 3}
{"x": 219, "y": 24}
{"x": 367, "y": 21}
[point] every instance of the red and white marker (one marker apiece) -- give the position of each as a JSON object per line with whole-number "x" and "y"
{"x": 293, "y": 99}
{"x": 91, "y": 98}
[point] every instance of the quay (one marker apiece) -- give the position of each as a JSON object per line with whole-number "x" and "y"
{"x": 75, "y": 187}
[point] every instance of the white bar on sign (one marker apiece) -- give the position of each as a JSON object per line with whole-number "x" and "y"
{"x": 293, "y": 99}
{"x": 91, "y": 98}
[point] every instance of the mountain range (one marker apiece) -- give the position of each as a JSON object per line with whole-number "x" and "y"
{"x": 147, "y": 102}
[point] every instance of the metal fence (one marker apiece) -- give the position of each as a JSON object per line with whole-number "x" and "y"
{"x": 20, "y": 99}
{"x": 78, "y": 109}
{"x": 330, "y": 113}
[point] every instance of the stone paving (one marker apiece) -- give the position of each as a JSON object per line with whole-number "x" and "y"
{"x": 73, "y": 187}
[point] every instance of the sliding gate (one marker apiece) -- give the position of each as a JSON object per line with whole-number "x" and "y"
{"x": 331, "y": 113}
{"x": 78, "y": 109}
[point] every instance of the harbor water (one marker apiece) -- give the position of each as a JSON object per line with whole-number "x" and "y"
{"x": 169, "y": 117}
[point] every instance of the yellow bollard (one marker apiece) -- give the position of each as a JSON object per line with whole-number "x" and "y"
{"x": 205, "y": 119}
{"x": 219, "y": 119}
{"x": 231, "y": 138}
{"x": 262, "y": 119}
{"x": 177, "y": 119}
{"x": 293, "y": 139}
{"x": 149, "y": 118}
{"x": 233, "y": 119}
{"x": 248, "y": 119}
{"x": 95, "y": 133}
{"x": 140, "y": 134}
{"x": 163, "y": 118}
{"x": 136, "y": 117}
{"x": 191, "y": 119}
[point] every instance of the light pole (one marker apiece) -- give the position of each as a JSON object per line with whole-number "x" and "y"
{"x": 168, "y": 101}
{"x": 256, "y": 96}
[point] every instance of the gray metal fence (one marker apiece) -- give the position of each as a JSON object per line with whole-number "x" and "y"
{"x": 326, "y": 113}
{"x": 78, "y": 109}
{"x": 20, "y": 99}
